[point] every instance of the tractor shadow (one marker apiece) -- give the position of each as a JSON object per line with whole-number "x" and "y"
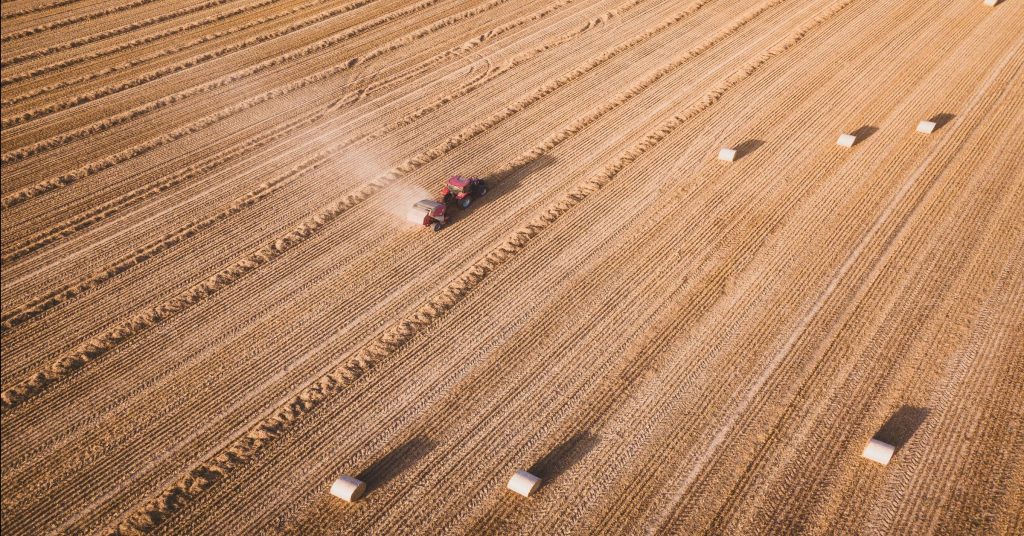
{"x": 508, "y": 180}
{"x": 898, "y": 430}
{"x": 863, "y": 133}
{"x": 395, "y": 462}
{"x": 941, "y": 120}
{"x": 500, "y": 183}
{"x": 747, "y": 147}
{"x": 555, "y": 463}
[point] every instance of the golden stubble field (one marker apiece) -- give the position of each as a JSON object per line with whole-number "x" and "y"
{"x": 213, "y": 306}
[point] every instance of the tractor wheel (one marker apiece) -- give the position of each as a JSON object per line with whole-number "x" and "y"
{"x": 436, "y": 227}
{"x": 481, "y": 190}
{"x": 465, "y": 202}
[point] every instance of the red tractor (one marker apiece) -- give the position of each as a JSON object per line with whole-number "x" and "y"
{"x": 460, "y": 190}
{"x": 435, "y": 214}
{"x": 463, "y": 191}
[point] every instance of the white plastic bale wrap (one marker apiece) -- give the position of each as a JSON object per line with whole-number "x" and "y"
{"x": 878, "y": 451}
{"x": 991, "y": 3}
{"x": 348, "y": 489}
{"x": 846, "y": 140}
{"x": 523, "y": 483}
{"x": 926, "y": 127}
{"x": 727, "y": 154}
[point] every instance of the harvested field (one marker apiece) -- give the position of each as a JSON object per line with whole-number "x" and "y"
{"x": 213, "y": 304}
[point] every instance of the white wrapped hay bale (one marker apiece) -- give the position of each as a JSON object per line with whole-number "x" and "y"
{"x": 846, "y": 140}
{"x": 523, "y": 483}
{"x": 348, "y": 489}
{"x": 926, "y": 127}
{"x": 991, "y": 3}
{"x": 878, "y": 451}
{"x": 726, "y": 154}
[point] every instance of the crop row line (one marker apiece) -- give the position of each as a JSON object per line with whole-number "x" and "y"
{"x": 63, "y": 180}
{"x": 35, "y": 9}
{"x": 182, "y": 65}
{"x": 145, "y": 40}
{"x": 97, "y": 127}
{"x": 39, "y": 305}
{"x": 106, "y": 34}
{"x": 98, "y": 214}
{"x": 399, "y": 333}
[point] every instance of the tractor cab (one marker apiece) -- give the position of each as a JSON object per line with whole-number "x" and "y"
{"x": 435, "y": 214}
{"x": 457, "y": 184}
{"x": 463, "y": 190}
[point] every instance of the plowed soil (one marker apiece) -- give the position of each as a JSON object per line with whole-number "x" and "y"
{"x": 213, "y": 303}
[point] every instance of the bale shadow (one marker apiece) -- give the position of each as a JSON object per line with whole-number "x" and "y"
{"x": 898, "y": 430}
{"x": 941, "y": 120}
{"x": 564, "y": 456}
{"x": 863, "y": 133}
{"x": 395, "y": 462}
{"x": 747, "y": 147}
